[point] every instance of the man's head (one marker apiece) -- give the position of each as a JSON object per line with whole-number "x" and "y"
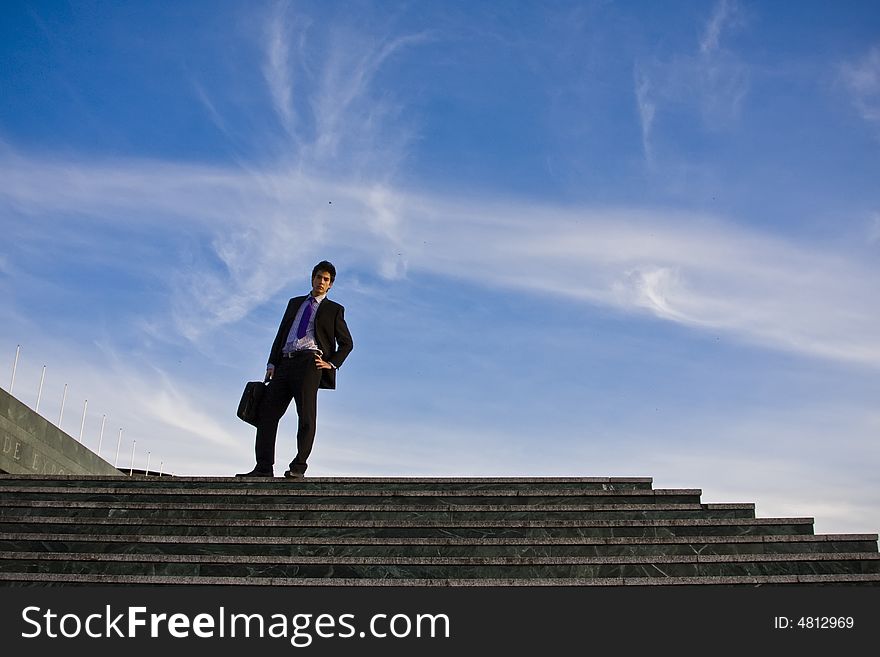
{"x": 323, "y": 276}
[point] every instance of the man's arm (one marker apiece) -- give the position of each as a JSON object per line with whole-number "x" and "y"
{"x": 278, "y": 344}
{"x": 343, "y": 340}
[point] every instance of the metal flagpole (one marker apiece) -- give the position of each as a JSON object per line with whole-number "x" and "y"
{"x": 82, "y": 424}
{"x": 148, "y": 463}
{"x": 118, "y": 443}
{"x": 14, "y": 367}
{"x": 161, "y": 463}
{"x": 101, "y": 437}
{"x": 40, "y": 391}
{"x": 63, "y": 399}
{"x": 131, "y": 464}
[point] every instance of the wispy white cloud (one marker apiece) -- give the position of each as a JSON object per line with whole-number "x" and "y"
{"x": 647, "y": 109}
{"x": 722, "y": 77}
{"x": 337, "y": 119}
{"x": 862, "y": 79}
{"x": 696, "y": 271}
{"x": 264, "y": 224}
{"x": 345, "y": 112}
{"x": 271, "y": 218}
{"x": 277, "y": 67}
{"x": 172, "y": 408}
{"x": 724, "y": 15}
{"x": 216, "y": 117}
{"x": 713, "y": 81}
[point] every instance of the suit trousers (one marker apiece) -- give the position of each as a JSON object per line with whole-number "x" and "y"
{"x": 295, "y": 378}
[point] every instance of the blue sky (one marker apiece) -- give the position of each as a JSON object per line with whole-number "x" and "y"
{"x": 573, "y": 238}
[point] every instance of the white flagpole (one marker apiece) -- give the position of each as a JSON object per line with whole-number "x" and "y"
{"x": 101, "y": 437}
{"x": 161, "y": 463}
{"x": 82, "y": 425}
{"x": 131, "y": 464}
{"x": 148, "y": 463}
{"x": 118, "y": 443}
{"x": 14, "y": 367}
{"x": 40, "y": 391}
{"x": 63, "y": 399}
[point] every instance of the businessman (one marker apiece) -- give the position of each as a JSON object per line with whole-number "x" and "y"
{"x": 312, "y": 342}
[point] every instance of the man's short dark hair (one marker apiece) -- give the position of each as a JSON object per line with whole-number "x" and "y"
{"x": 327, "y": 267}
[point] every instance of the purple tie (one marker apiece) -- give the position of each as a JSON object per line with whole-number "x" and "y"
{"x": 304, "y": 320}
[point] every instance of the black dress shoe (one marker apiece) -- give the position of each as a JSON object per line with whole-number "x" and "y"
{"x": 257, "y": 473}
{"x": 289, "y": 474}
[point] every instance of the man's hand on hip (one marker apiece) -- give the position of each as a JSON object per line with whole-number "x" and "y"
{"x": 322, "y": 364}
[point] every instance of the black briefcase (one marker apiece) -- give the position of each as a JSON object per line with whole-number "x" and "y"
{"x": 249, "y": 406}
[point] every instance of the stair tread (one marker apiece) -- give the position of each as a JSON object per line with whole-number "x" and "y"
{"x": 396, "y": 560}
{"x": 251, "y": 522}
{"x": 341, "y": 492}
{"x": 743, "y": 580}
{"x": 175, "y": 506}
{"x": 202, "y": 539}
{"x": 355, "y": 480}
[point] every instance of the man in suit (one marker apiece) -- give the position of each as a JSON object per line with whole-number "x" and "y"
{"x": 311, "y": 344}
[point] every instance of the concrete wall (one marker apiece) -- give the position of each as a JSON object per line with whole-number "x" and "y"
{"x": 30, "y": 444}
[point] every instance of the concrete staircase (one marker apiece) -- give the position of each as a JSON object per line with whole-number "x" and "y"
{"x": 118, "y": 530}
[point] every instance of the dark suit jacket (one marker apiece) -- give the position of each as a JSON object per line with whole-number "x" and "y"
{"x": 331, "y": 334}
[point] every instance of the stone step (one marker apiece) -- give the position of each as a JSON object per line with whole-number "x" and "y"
{"x": 283, "y": 495}
{"x": 442, "y": 567}
{"x": 436, "y": 547}
{"x": 527, "y": 529}
{"x": 751, "y": 581}
{"x": 334, "y": 512}
{"x": 382, "y": 484}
